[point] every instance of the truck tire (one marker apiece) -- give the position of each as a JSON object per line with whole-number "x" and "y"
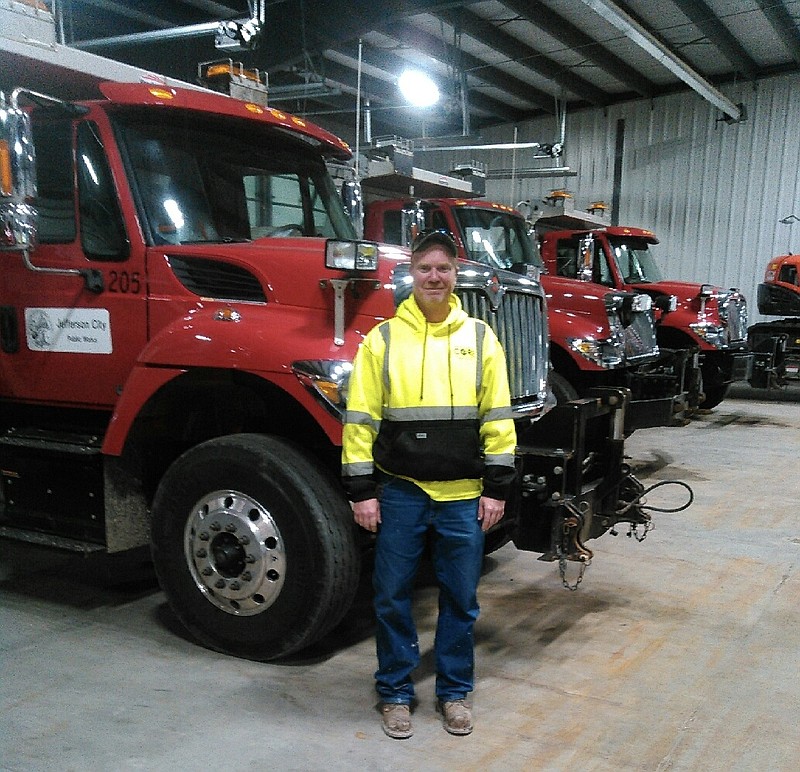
{"x": 254, "y": 547}
{"x": 562, "y": 389}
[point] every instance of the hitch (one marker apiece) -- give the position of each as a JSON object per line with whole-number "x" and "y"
{"x": 566, "y": 543}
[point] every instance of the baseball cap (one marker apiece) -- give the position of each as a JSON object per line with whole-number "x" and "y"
{"x": 428, "y": 239}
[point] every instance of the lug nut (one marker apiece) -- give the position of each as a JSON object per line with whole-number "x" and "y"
{"x": 230, "y": 527}
{"x": 246, "y": 576}
{"x": 244, "y": 540}
{"x": 235, "y": 585}
{"x": 203, "y": 536}
{"x": 215, "y": 526}
{"x": 207, "y": 571}
{"x": 219, "y": 584}
{"x": 249, "y": 559}
{"x": 201, "y": 553}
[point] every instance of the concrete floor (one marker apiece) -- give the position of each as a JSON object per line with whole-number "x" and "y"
{"x": 679, "y": 653}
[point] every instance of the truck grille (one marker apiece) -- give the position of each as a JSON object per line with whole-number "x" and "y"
{"x": 733, "y": 308}
{"x": 639, "y": 338}
{"x": 519, "y": 323}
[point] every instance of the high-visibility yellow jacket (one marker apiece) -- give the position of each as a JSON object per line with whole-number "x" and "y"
{"x": 430, "y": 402}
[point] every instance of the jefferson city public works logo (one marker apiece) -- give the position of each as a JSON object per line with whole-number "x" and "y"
{"x": 40, "y": 329}
{"x": 495, "y": 291}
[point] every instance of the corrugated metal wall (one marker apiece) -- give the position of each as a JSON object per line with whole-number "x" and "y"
{"x": 713, "y": 192}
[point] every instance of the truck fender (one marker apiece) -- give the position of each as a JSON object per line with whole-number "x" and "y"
{"x": 142, "y": 383}
{"x": 569, "y": 324}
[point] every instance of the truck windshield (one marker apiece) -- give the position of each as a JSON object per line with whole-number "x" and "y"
{"x": 495, "y": 238}
{"x": 208, "y": 179}
{"x": 635, "y": 262}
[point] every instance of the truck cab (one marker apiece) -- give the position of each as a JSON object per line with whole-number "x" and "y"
{"x": 704, "y": 316}
{"x": 776, "y": 342}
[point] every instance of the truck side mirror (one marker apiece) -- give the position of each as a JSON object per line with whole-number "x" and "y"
{"x": 353, "y": 201}
{"x": 17, "y": 178}
{"x": 586, "y": 258}
{"x": 412, "y": 223}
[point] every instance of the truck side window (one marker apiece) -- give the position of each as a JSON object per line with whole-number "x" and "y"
{"x": 602, "y": 270}
{"x": 439, "y": 221}
{"x": 55, "y": 200}
{"x": 567, "y": 259}
{"x": 103, "y": 235}
{"x": 788, "y": 274}
{"x": 392, "y": 227}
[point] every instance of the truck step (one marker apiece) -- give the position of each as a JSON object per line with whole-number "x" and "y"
{"x": 47, "y": 440}
{"x": 49, "y": 540}
{"x": 52, "y": 483}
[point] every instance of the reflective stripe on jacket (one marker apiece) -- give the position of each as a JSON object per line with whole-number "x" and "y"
{"x": 415, "y": 382}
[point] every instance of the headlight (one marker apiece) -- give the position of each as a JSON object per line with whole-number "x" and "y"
{"x": 326, "y": 380}
{"x": 603, "y": 353}
{"x": 351, "y": 255}
{"x": 713, "y": 334}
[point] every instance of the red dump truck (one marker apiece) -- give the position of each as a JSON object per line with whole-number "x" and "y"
{"x": 706, "y": 317}
{"x": 599, "y": 336}
{"x": 181, "y": 298}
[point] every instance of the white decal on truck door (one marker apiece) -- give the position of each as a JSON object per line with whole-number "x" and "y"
{"x": 72, "y": 330}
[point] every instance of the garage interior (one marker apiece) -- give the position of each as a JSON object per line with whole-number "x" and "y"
{"x": 674, "y": 653}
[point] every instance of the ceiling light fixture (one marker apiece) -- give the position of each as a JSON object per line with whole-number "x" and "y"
{"x": 418, "y": 88}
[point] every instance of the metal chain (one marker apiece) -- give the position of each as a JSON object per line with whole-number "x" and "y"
{"x": 634, "y": 530}
{"x": 562, "y": 570}
{"x": 572, "y": 526}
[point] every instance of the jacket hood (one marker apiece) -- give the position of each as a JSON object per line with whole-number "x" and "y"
{"x": 412, "y": 315}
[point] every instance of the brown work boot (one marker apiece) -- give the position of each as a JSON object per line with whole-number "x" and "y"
{"x": 456, "y": 716}
{"x": 396, "y": 720}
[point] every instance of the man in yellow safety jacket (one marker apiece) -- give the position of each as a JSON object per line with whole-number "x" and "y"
{"x": 428, "y": 445}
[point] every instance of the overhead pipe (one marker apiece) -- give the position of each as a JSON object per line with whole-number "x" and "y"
{"x": 664, "y": 56}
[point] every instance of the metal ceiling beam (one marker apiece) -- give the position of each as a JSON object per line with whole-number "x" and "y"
{"x": 340, "y": 110}
{"x": 436, "y": 48}
{"x": 539, "y": 15}
{"x": 393, "y": 65}
{"x": 784, "y": 25}
{"x": 311, "y": 26}
{"x": 129, "y": 13}
{"x": 384, "y": 97}
{"x": 719, "y": 36}
{"x": 217, "y": 10}
{"x": 384, "y": 93}
{"x": 523, "y": 55}
{"x": 649, "y": 43}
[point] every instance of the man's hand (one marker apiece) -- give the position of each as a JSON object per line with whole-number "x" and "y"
{"x": 367, "y": 514}
{"x": 490, "y": 511}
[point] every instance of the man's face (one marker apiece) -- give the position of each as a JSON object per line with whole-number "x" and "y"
{"x": 434, "y": 277}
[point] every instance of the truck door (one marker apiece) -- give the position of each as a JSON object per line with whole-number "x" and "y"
{"x": 77, "y": 334}
{"x": 568, "y": 260}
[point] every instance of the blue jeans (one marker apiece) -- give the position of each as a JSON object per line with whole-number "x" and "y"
{"x": 407, "y": 513}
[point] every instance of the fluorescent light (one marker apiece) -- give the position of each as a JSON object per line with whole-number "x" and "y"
{"x": 418, "y": 89}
